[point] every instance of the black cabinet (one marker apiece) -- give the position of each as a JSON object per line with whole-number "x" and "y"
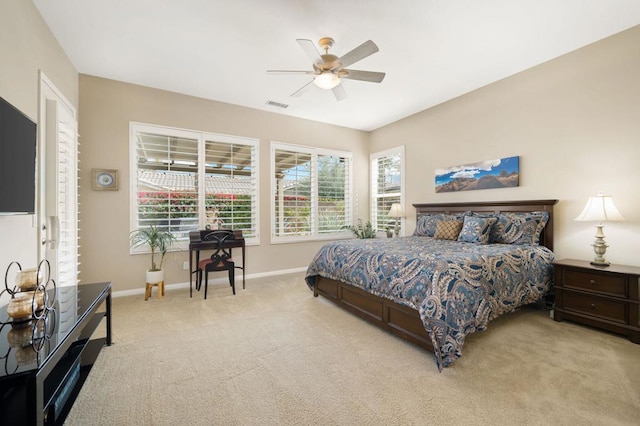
{"x": 42, "y": 390}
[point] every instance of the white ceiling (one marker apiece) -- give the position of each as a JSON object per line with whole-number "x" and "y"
{"x": 431, "y": 50}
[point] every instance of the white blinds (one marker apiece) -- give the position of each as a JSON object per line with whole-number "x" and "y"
{"x": 167, "y": 190}
{"x": 189, "y": 180}
{"x": 231, "y": 186}
{"x": 312, "y": 191}
{"x": 67, "y": 209}
{"x": 293, "y": 206}
{"x": 386, "y": 186}
{"x": 333, "y": 187}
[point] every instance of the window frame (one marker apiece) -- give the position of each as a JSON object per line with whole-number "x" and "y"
{"x": 315, "y": 152}
{"x": 202, "y": 137}
{"x": 373, "y": 187}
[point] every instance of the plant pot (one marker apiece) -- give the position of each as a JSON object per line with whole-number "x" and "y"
{"x": 389, "y": 233}
{"x": 154, "y": 277}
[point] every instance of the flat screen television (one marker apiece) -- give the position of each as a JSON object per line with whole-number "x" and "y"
{"x": 18, "y": 139}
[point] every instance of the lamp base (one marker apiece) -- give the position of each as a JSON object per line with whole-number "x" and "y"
{"x": 599, "y": 248}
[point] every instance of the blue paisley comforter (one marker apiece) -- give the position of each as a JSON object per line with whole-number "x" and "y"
{"x": 456, "y": 287}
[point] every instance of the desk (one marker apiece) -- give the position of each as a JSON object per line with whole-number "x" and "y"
{"x": 196, "y": 245}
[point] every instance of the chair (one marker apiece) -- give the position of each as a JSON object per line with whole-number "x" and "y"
{"x": 220, "y": 260}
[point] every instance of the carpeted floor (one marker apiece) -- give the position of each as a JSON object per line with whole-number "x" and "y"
{"x": 273, "y": 354}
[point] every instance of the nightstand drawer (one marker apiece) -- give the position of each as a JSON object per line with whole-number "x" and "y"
{"x": 591, "y": 281}
{"x": 596, "y": 306}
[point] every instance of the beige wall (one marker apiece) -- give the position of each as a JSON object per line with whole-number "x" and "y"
{"x": 107, "y": 107}
{"x": 574, "y": 122}
{"x": 27, "y": 46}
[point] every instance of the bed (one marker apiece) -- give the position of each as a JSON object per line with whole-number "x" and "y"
{"x": 465, "y": 265}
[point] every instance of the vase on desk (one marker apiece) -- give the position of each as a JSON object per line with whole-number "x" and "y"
{"x": 23, "y": 305}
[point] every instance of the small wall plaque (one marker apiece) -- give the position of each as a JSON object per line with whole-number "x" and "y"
{"x": 104, "y": 179}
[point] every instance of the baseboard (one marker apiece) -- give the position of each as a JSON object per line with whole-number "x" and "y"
{"x": 176, "y": 286}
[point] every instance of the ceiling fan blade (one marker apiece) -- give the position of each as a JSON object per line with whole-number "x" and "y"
{"x": 371, "y": 76}
{"x": 365, "y": 49}
{"x": 310, "y": 49}
{"x": 301, "y": 90}
{"x": 290, "y": 72}
{"x": 339, "y": 92}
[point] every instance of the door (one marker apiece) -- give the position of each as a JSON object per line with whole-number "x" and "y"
{"x": 58, "y": 189}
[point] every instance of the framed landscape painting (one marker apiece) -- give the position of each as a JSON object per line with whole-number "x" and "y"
{"x": 502, "y": 173}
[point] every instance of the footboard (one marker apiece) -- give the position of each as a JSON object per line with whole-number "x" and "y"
{"x": 386, "y": 314}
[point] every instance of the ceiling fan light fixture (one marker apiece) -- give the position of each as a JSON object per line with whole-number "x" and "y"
{"x": 329, "y": 70}
{"x": 327, "y": 80}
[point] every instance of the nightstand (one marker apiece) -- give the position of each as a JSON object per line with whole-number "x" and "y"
{"x": 604, "y": 297}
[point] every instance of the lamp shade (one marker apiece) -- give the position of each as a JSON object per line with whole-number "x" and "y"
{"x": 395, "y": 210}
{"x": 327, "y": 80}
{"x": 600, "y": 209}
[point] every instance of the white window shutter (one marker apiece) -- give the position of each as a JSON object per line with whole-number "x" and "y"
{"x": 188, "y": 180}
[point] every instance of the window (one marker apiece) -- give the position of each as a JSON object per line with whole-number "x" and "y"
{"x": 387, "y": 181}
{"x": 311, "y": 190}
{"x": 189, "y": 180}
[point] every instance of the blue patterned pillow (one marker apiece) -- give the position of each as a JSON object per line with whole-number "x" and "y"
{"x": 427, "y": 222}
{"x": 476, "y": 229}
{"x": 519, "y": 228}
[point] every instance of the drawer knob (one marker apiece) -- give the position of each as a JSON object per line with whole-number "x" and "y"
{"x": 592, "y": 282}
{"x": 593, "y": 306}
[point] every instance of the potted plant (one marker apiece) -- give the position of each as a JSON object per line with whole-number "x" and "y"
{"x": 389, "y": 232}
{"x": 159, "y": 242}
{"x": 362, "y": 231}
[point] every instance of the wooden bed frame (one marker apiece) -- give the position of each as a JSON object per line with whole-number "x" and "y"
{"x": 402, "y": 320}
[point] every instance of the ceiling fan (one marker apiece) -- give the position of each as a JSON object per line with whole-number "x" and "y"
{"x": 329, "y": 70}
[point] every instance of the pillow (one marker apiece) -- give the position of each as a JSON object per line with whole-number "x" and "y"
{"x": 519, "y": 228}
{"x": 427, "y": 222}
{"x": 476, "y": 229}
{"x": 448, "y": 229}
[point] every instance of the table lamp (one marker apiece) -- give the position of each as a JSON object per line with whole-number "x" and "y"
{"x": 397, "y": 212}
{"x": 600, "y": 209}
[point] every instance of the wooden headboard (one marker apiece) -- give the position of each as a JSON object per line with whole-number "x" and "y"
{"x": 546, "y": 239}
